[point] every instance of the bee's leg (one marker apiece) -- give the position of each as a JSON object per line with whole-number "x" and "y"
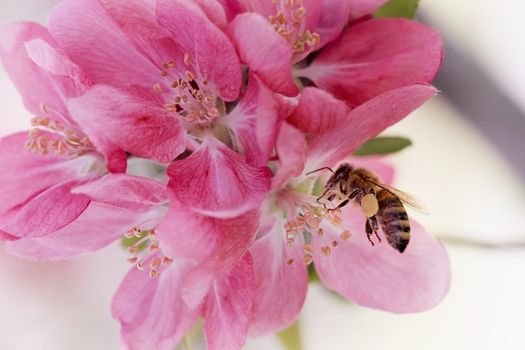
{"x": 375, "y": 226}
{"x": 342, "y": 204}
{"x": 369, "y": 232}
{"x": 353, "y": 194}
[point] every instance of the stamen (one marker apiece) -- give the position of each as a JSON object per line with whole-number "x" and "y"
{"x": 145, "y": 251}
{"x": 192, "y": 101}
{"x": 307, "y": 223}
{"x": 289, "y": 22}
{"x": 70, "y": 143}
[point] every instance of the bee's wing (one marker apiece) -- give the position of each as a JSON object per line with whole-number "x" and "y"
{"x": 406, "y": 198}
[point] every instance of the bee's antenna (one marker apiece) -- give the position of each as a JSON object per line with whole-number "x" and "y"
{"x": 311, "y": 172}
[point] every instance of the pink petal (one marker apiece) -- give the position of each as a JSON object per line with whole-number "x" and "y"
{"x": 380, "y": 277}
{"x": 4, "y": 236}
{"x": 318, "y": 112}
{"x": 333, "y": 17}
{"x": 46, "y": 213}
{"x": 272, "y": 62}
{"x": 254, "y": 122}
{"x": 280, "y": 286}
{"x": 235, "y": 236}
{"x": 135, "y": 193}
{"x": 187, "y": 235}
{"x": 35, "y": 85}
{"x": 98, "y": 44}
{"x": 113, "y": 118}
{"x": 215, "y": 13}
{"x": 151, "y": 312}
{"x": 137, "y": 20}
{"x": 209, "y": 49}
{"x": 25, "y": 174}
{"x": 375, "y": 56}
{"x": 214, "y": 180}
{"x": 365, "y": 122}
{"x": 360, "y": 8}
{"x": 94, "y": 229}
{"x": 229, "y": 307}
{"x": 57, "y": 63}
{"x": 291, "y": 150}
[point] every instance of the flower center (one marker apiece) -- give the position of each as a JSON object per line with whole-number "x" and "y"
{"x": 307, "y": 222}
{"x": 62, "y": 141}
{"x": 145, "y": 251}
{"x": 289, "y": 22}
{"x": 190, "y": 97}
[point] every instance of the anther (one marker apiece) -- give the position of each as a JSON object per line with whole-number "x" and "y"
{"x": 345, "y": 235}
{"x": 308, "y": 249}
{"x": 290, "y": 261}
{"x": 335, "y": 244}
{"x": 326, "y": 251}
{"x": 307, "y": 259}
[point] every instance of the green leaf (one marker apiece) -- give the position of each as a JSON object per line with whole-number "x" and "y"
{"x": 398, "y": 8}
{"x": 383, "y": 145}
{"x": 291, "y": 337}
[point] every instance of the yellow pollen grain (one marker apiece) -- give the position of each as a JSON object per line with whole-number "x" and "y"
{"x": 345, "y": 235}
{"x": 153, "y": 274}
{"x": 307, "y": 259}
{"x": 187, "y": 59}
{"x": 308, "y": 249}
{"x": 326, "y": 251}
{"x": 157, "y": 88}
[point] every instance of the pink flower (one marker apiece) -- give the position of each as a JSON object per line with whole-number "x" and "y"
{"x": 169, "y": 86}
{"x": 354, "y": 63}
{"x": 185, "y": 265}
{"x": 41, "y": 167}
{"x": 295, "y": 231}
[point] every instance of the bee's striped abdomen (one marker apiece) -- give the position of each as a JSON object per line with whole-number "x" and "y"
{"x": 393, "y": 219}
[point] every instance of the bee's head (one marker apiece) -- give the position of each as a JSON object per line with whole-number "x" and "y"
{"x": 336, "y": 186}
{"x": 341, "y": 175}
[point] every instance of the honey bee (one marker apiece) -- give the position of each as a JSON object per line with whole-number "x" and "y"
{"x": 380, "y": 203}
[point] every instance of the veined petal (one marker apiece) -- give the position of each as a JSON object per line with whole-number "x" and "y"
{"x": 135, "y": 193}
{"x": 235, "y": 236}
{"x": 185, "y": 234}
{"x": 46, "y": 213}
{"x": 254, "y": 122}
{"x": 37, "y": 86}
{"x": 229, "y": 306}
{"x": 375, "y": 56}
{"x": 365, "y": 122}
{"x": 291, "y": 149}
{"x": 151, "y": 312}
{"x": 26, "y": 174}
{"x": 281, "y": 282}
{"x": 272, "y": 62}
{"x": 208, "y": 48}
{"x": 318, "y": 112}
{"x": 333, "y": 17}
{"x": 216, "y": 181}
{"x": 360, "y": 8}
{"x": 94, "y": 229}
{"x": 99, "y": 45}
{"x": 379, "y": 276}
{"x": 114, "y": 118}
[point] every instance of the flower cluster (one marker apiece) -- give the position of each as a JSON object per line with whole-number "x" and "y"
{"x": 230, "y": 104}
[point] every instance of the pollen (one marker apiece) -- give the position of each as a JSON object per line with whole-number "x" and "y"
{"x": 145, "y": 252}
{"x": 59, "y": 139}
{"x": 303, "y": 226}
{"x": 289, "y": 22}
{"x": 187, "y": 95}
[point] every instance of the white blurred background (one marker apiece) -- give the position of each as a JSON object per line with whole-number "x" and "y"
{"x": 475, "y": 193}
